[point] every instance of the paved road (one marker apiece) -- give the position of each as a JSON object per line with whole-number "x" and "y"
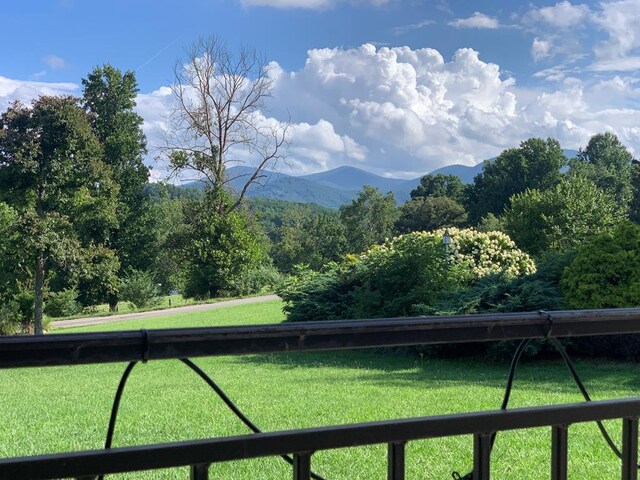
{"x": 83, "y": 322}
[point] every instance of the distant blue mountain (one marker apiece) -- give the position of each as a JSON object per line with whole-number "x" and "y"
{"x": 464, "y": 172}
{"x": 338, "y": 186}
{"x": 352, "y": 179}
{"x": 280, "y": 186}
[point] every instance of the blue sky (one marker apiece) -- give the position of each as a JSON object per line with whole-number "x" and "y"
{"x": 392, "y": 86}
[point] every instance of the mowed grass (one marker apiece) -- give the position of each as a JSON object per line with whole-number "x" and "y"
{"x": 67, "y": 408}
{"x": 163, "y": 303}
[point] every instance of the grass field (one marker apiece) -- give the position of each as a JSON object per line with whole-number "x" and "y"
{"x": 164, "y": 302}
{"x": 67, "y": 408}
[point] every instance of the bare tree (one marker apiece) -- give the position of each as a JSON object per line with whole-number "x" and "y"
{"x": 217, "y": 121}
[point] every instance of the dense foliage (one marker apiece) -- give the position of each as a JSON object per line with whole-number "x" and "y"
{"x": 535, "y": 164}
{"x": 80, "y": 225}
{"x": 561, "y": 217}
{"x": 404, "y": 273}
{"x": 369, "y": 219}
{"x": 430, "y": 213}
{"x": 216, "y": 249}
{"x": 606, "y": 271}
{"x": 52, "y": 174}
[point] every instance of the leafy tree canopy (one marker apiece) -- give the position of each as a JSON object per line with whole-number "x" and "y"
{"x": 535, "y": 164}
{"x": 562, "y": 217}
{"x": 430, "y": 213}
{"x": 52, "y": 174}
{"x": 607, "y": 163}
{"x": 369, "y": 219}
{"x": 440, "y": 185}
{"x": 606, "y": 271}
{"x": 310, "y": 239}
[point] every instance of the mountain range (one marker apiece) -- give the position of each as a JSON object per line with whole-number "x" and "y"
{"x": 338, "y": 186}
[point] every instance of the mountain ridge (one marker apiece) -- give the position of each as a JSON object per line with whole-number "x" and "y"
{"x": 338, "y": 186}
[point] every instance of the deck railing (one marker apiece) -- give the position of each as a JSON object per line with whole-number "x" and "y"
{"x": 148, "y": 345}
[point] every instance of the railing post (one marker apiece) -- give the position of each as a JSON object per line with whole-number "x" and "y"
{"x": 302, "y": 466}
{"x": 629, "y": 449}
{"x": 559, "y": 443}
{"x": 482, "y": 456}
{"x": 199, "y": 472}
{"x": 395, "y": 461}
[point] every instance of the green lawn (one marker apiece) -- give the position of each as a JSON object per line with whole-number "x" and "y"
{"x": 66, "y": 408}
{"x": 164, "y": 302}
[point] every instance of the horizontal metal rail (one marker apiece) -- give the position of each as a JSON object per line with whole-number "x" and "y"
{"x": 396, "y": 432}
{"x": 83, "y": 348}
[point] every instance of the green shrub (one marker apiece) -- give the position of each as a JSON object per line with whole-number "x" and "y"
{"x": 487, "y": 253}
{"x": 62, "y": 304}
{"x": 606, "y": 274}
{"x": 260, "y": 279}
{"x": 16, "y": 313}
{"x": 140, "y": 289}
{"x": 400, "y": 276}
{"x": 10, "y": 317}
{"x": 25, "y": 300}
{"x": 606, "y": 271}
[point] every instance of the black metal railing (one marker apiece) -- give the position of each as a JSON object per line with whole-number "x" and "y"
{"x": 73, "y": 349}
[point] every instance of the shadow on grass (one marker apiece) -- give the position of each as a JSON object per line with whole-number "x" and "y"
{"x": 396, "y": 369}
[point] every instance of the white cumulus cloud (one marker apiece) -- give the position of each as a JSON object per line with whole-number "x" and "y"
{"x": 477, "y": 20}
{"x": 25, "y": 91}
{"x": 621, "y": 50}
{"x": 404, "y": 112}
{"x": 561, "y": 15}
{"x": 540, "y": 48}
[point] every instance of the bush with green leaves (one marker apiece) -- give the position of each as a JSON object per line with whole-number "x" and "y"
{"x": 486, "y": 253}
{"x": 562, "y": 217}
{"x": 395, "y": 278}
{"x": 217, "y": 248}
{"x": 261, "y": 279}
{"x": 140, "y": 289}
{"x": 10, "y": 318}
{"x": 606, "y": 271}
{"x": 606, "y": 274}
{"x": 16, "y": 313}
{"x": 62, "y": 304}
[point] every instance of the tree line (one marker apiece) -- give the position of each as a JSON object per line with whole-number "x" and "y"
{"x": 80, "y": 225}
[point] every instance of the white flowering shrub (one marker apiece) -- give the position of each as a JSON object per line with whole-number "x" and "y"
{"x": 392, "y": 278}
{"x": 486, "y": 253}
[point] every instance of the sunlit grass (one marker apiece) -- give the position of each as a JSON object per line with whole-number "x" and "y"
{"x": 67, "y": 408}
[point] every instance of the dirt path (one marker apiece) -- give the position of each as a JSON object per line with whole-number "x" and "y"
{"x": 83, "y": 322}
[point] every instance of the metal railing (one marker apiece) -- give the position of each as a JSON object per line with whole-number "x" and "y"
{"x": 145, "y": 345}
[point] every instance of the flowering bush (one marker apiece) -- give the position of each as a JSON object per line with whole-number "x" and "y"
{"x": 487, "y": 253}
{"x": 393, "y": 278}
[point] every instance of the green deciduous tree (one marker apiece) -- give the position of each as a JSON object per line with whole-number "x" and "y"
{"x": 430, "y": 213}
{"x": 369, "y": 219}
{"x": 562, "y": 217}
{"x": 313, "y": 239}
{"x": 535, "y": 164}
{"x": 634, "y": 207}
{"x": 217, "y": 248}
{"x": 607, "y": 163}
{"x": 8, "y": 261}
{"x": 440, "y": 185}
{"x": 52, "y": 174}
{"x": 606, "y": 271}
{"x": 109, "y": 96}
